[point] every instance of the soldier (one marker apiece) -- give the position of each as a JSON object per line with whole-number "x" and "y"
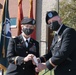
{"x": 62, "y": 55}
{"x": 20, "y": 50}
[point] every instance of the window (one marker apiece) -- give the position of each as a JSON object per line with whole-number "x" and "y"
{"x": 13, "y": 22}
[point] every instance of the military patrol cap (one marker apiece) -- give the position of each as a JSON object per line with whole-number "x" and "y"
{"x": 27, "y": 20}
{"x": 50, "y": 14}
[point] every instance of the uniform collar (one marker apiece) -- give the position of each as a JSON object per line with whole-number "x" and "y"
{"x": 25, "y": 38}
{"x": 63, "y": 27}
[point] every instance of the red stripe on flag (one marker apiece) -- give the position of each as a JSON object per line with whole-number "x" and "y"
{"x": 20, "y": 17}
{"x": 33, "y": 35}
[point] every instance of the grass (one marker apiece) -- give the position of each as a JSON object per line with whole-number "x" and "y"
{"x": 42, "y": 72}
{"x": 48, "y": 73}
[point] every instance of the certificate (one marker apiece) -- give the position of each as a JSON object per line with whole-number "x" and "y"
{"x": 35, "y": 60}
{"x": 1, "y": 72}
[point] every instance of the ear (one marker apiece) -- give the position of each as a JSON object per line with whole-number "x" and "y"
{"x": 60, "y": 19}
{"x": 21, "y": 26}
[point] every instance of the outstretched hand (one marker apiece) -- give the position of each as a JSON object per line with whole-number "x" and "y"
{"x": 28, "y": 57}
{"x": 40, "y": 67}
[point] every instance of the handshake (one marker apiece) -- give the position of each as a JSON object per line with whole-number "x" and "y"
{"x": 32, "y": 57}
{"x": 35, "y": 61}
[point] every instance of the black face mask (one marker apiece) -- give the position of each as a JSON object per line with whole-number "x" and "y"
{"x": 28, "y": 31}
{"x": 54, "y": 26}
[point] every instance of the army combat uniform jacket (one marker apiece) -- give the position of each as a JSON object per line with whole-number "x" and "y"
{"x": 17, "y": 50}
{"x": 62, "y": 52}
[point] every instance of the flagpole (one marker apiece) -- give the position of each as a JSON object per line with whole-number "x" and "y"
{"x": 58, "y": 6}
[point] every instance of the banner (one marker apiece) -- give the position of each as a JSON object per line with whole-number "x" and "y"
{"x": 5, "y": 35}
{"x": 20, "y": 17}
{"x": 33, "y": 35}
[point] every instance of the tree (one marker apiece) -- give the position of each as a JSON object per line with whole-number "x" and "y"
{"x": 67, "y": 11}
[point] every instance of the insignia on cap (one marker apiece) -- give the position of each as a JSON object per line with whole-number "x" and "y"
{"x": 50, "y": 15}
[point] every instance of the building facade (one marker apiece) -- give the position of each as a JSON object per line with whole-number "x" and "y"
{"x": 40, "y": 7}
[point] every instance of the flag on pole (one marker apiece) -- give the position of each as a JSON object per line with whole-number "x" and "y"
{"x": 6, "y": 30}
{"x": 5, "y": 34}
{"x": 33, "y": 35}
{"x": 20, "y": 17}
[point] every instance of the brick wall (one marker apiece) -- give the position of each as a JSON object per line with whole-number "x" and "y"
{"x": 13, "y": 9}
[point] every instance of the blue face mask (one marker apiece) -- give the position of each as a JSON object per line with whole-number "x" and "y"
{"x": 54, "y": 26}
